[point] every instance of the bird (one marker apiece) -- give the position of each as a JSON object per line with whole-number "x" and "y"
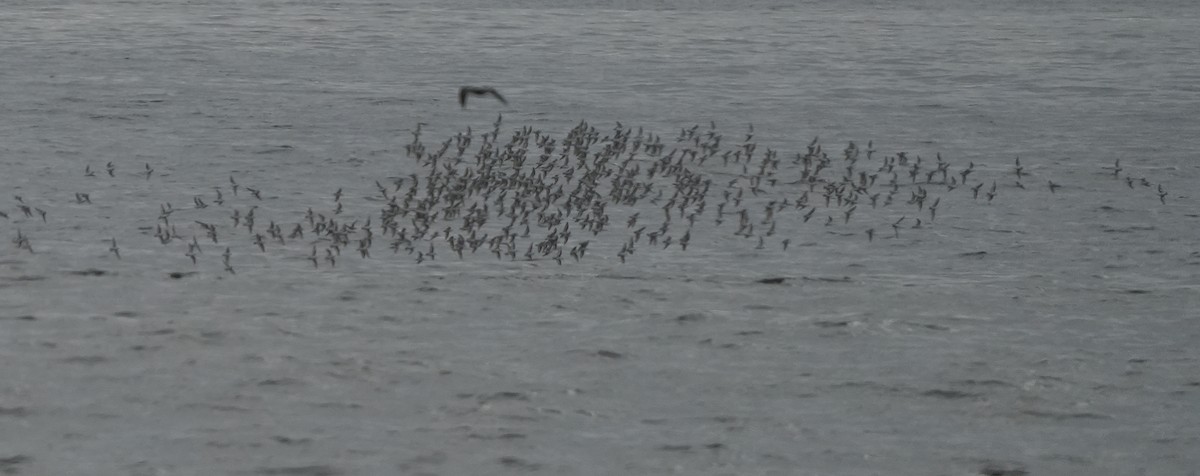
{"x": 464, "y": 91}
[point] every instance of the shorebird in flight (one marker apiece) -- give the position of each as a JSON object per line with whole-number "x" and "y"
{"x": 464, "y": 91}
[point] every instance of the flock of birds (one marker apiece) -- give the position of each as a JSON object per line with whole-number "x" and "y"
{"x": 532, "y": 196}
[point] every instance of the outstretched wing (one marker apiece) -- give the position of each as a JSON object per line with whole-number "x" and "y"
{"x": 465, "y": 91}
{"x": 498, "y": 96}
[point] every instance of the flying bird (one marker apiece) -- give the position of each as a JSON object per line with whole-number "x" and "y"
{"x": 464, "y": 91}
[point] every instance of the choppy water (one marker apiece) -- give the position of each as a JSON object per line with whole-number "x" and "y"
{"x": 1066, "y": 347}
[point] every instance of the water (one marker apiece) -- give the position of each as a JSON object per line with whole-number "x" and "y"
{"x": 1066, "y": 347}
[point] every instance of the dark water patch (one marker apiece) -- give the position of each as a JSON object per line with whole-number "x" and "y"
{"x": 27, "y": 317}
{"x": 950, "y": 394}
{"x": 125, "y": 314}
{"x": 500, "y": 436}
{"x": 314, "y": 470}
{"x": 728, "y": 345}
{"x": 14, "y": 412}
{"x": 1128, "y": 229}
{"x": 287, "y": 440}
{"x": 932, "y": 327}
{"x": 11, "y": 464}
{"x": 89, "y": 272}
{"x": 1065, "y": 458}
{"x": 871, "y": 386}
{"x": 978, "y": 254}
{"x": 826, "y": 279}
{"x": 274, "y": 149}
{"x": 1062, "y": 416}
{"x": 608, "y": 354}
{"x": 514, "y": 462}
{"x": 675, "y": 448}
{"x": 339, "y": 405}
{"x": 771, "y": 280}
{"x": 1136, "y": 291}
{"x": 385, "y": 101}
{"x": 25, "y": 278}
{"x": 832, "y": 324}
{"x": 507, "y": 395}
{"x": 216, "y": 407}
{"x": 985, "y": 383}
{"x": 181, "y": 274}
{"x": 86, "y": 359}
{"x": 435, "y": 458}
{"x": 692, "y": 317}
{"x": 1000, "y": 468}
{"x": 279, "y": 382}
{"x": 128, "y": 117}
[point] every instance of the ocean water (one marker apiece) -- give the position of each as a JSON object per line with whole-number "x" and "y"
{"x": 1043, "y": 332}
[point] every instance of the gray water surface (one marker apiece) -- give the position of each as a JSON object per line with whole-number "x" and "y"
{"x": 1039, "y": 333}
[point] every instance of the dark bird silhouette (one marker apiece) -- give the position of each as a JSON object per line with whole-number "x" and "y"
{"x": 465, "y": 91}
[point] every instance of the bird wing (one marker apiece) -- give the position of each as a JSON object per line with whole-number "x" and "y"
{"x": 498, "y": 96}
